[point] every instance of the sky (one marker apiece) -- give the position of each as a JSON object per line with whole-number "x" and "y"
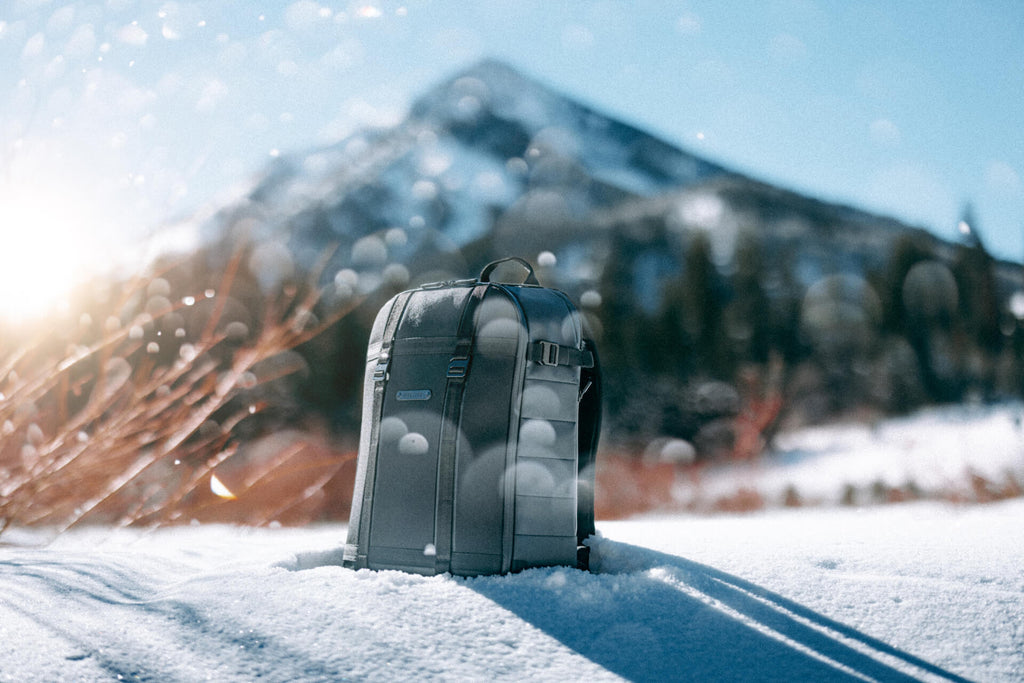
{"x": 119, "y": 116}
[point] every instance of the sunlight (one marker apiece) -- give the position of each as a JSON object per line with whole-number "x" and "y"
{"x": 43, "y": 240}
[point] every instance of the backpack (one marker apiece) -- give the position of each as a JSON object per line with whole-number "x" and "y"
{"x": 481, "y": 414}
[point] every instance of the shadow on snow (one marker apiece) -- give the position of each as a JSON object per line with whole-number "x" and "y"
{"x": 649, "y": 616}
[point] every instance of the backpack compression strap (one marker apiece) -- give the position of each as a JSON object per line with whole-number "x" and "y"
{"x": 550, "y": 353}
{"x": 458, "y": 369}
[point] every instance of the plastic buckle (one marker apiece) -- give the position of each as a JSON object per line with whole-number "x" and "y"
{"x": 458, "y": 367}
{"x": 548, "y": 353}
{"x": 381, "y": 371}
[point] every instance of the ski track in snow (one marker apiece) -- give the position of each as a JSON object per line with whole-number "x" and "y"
{"x": 916, "y": 592}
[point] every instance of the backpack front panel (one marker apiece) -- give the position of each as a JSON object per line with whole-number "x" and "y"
{"x": 546, "y": 437}
{"x": 402, "y": 525}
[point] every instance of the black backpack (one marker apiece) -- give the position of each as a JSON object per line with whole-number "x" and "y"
{"x": 481, "y": 414}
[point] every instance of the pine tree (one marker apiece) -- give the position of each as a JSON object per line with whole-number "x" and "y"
{"x": 981, "y": 333}
{"x": 693, "y": 314}
{"x": 748, "y": 315}
{"x": 907, "y": 252}
{"x": 974, "y": 269}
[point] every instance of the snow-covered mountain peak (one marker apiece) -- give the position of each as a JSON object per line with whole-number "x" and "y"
{"x": 491, "y": 162}
{"x": 487, "y": 150}
{"x": 493, "y": 106}
{"x": 492, "y": 90}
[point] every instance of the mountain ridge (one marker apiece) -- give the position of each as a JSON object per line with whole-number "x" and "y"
{"x": 471, "y": 148}
{"x": 490, "y": 150}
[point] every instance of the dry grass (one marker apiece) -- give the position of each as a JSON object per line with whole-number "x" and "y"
{"x": 122, "y": 431}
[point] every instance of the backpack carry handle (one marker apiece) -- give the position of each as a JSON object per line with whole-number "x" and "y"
{"x": 531, "y": 278}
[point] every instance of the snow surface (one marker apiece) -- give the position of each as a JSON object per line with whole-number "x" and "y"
{"x": 936, "y": 450}
{"x": 920, "y": 591}
{"x": 917, "y": 591}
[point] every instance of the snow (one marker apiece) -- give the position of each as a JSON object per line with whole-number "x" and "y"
{"x": 917, "y": 591}
{"x": 935, "y": 451}
{"x": 925, "y": 590}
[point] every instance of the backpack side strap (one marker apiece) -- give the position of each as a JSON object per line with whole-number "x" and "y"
{"x": 359, "y": 522}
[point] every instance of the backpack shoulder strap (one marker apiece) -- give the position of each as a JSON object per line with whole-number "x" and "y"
{"x": 588, "y": 431}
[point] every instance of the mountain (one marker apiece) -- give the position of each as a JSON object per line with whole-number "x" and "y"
{"x": 487, "y": 146}
{"x": 496, "y": 162}
{"x": 688, "y": 272}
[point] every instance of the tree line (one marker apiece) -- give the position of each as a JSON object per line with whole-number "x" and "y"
{"x": 926, "y": 325}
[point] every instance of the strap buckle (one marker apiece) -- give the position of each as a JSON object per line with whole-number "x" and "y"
{"x": 458, "y": 367}
{"x": 548, "y": 353}
{"x": 380, "y": 372}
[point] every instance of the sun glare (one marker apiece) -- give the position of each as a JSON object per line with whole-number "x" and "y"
{"x": 43, "y": 239}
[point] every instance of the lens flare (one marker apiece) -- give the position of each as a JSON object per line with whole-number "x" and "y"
{"x": 219, "y": 489}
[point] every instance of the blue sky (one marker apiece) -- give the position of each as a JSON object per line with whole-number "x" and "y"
{"x": 118, "y": 114}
